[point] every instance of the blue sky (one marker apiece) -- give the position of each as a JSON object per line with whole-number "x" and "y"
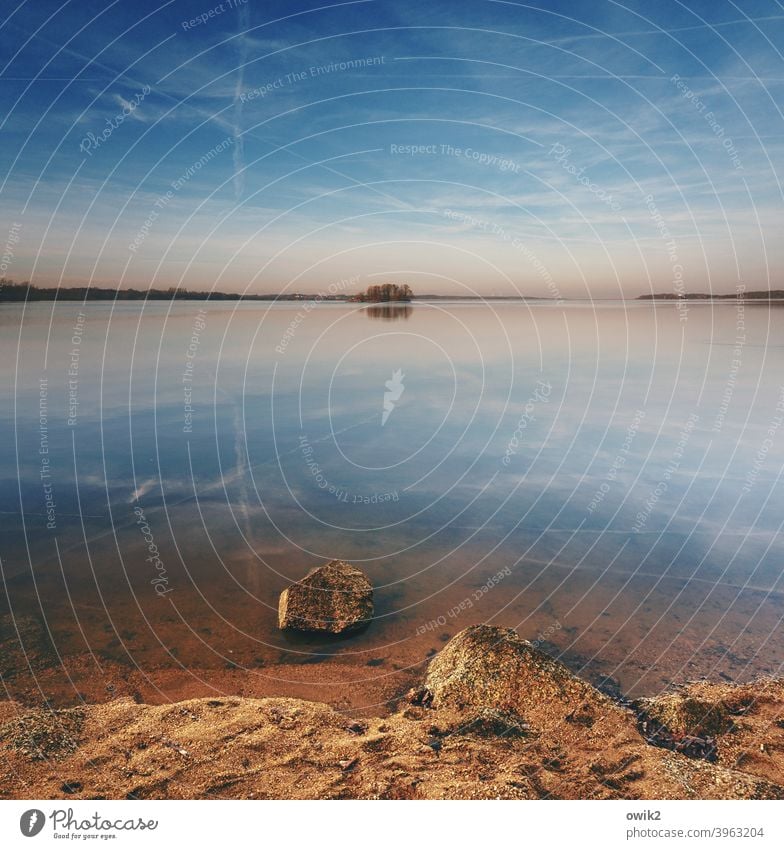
{"x": 588, "y": 149}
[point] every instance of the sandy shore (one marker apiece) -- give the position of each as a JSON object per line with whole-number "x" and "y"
{"x": 483, "y": 722}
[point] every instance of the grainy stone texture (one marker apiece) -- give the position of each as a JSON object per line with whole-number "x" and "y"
{"x": 335, "y": 599}
{"x": 486, "y": 666}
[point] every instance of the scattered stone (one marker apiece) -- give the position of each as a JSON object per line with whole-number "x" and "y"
{"x": 657, "y": 734}
{"x": 419, "y": 696}
{"x": 335, "y": 599}
{"x": 435, "y": 744}
{"x": 71, "y": 787}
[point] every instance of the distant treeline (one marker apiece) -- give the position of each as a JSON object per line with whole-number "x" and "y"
{"x": 766, "y": 295}
{"x": 10, "y": 291}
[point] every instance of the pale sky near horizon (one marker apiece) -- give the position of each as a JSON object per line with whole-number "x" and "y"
{"x": 564, "y": 149}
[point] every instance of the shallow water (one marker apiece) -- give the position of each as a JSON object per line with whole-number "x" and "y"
{"x": 604, "y": 477}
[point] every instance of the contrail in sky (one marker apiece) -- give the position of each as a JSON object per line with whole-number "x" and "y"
{"x": 243, "y": 24}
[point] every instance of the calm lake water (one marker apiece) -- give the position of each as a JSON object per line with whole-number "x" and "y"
{"x": 604, "y": 477}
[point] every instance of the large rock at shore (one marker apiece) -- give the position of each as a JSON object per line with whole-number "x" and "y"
{"x": 489, "y": 667}
{"x": 332, "y": 599}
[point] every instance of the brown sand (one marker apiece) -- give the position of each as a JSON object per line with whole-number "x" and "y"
{"x": 557, "y": 737}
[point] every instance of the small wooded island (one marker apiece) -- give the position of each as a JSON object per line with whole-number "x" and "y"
{"x": 385, "y": 293}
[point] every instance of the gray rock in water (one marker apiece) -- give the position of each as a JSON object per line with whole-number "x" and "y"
{"x": 332, "y": 599}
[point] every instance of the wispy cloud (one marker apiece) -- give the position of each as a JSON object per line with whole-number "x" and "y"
{"x": 313, "y": 171}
